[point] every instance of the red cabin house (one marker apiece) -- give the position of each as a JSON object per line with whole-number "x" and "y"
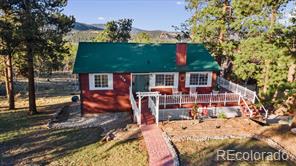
{"x": 108, "y": 71}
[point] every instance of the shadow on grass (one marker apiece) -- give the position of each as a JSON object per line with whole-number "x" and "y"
{"x": 20, "y": 119}
{"x": 281, "y": 130}
{"x": 44, "y": 146}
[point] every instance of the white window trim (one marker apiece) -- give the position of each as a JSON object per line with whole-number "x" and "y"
{"x": 91, "y": 79}
{"x": 153, "y": 76}
{"x": 187, "y": 81}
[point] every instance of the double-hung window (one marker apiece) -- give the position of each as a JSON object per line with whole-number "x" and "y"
{"x": 198, "y": 79}
{"x": 165, "y": 80}
{"x": 100, "y": 81}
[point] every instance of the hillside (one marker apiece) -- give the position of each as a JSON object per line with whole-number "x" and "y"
{"x": 88, "y": 32}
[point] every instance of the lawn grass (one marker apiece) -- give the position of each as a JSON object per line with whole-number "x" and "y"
{"x": 117, "y": 153}
{"x": 205, "y": 153}
{"x": 25, "y": 139}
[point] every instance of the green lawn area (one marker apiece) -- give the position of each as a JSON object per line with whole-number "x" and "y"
{"x": 205, "y": 153}
{"x": 24, "y": 140}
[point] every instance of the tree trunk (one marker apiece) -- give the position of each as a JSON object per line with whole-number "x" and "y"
{"x": 31, "y": 83}
{"x": 222, "y": 30}
{"x": 273, "y": 16}
{"x": 9, "y": 82}
{"x": 291, "y": 73}
{"x": 266, "y": 76}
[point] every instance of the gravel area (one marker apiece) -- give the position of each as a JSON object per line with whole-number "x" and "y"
{"x": 107, "y": 121}
{"x": 191, "y": 129}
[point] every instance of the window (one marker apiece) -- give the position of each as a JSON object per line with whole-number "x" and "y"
{"x": 164, "y": 80}
{"x": 100, "y": 81}
{"x": 198, "y": 79}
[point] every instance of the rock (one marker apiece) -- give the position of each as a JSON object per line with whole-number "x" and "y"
{"x": 283, "y": 122}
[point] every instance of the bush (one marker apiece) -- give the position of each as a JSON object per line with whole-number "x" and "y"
{"x": 221, "y": 115}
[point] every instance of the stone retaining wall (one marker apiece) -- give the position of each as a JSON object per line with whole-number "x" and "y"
{"x": 171, "y": 148}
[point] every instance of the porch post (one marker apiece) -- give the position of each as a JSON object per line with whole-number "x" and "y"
{"x": 164, "y": 100}
{"x": 211, "y": 99}
{"x": 180, "y": 100}
{"x": 195, "y": 99}
{"x": 238, "y": 99}
{"x": 157, "y": 110}
{"x": 254, "y": 99}
{"x": 225, "y": 98}
{"x": 140, "y": 108}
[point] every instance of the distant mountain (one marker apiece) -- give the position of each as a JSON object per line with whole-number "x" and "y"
{"x": 86, "y": 27}
{"x": 97, "y": 27}
{"x": 88, "y": 32}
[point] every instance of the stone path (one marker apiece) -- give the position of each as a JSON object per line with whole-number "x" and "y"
{"x": 159, "y": 153}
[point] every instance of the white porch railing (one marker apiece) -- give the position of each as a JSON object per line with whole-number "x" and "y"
{"x": 198, "y": 98}
{"x": 136, "y": 111}
{"x": 243, "y": 92}
{"x": 238, "y": 89}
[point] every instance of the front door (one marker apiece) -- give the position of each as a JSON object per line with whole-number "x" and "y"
{"x": 140, "y": 83}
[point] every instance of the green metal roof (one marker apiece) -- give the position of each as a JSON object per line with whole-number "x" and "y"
{"x": 94, "y": 57}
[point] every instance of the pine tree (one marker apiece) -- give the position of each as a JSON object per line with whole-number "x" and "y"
{"x": 116, "y": 31}
{"x": 210, "y": 24}
{"x": 42, "y": 26}
{"x": 264, "y": 59}
{"x": 8, "y": 45}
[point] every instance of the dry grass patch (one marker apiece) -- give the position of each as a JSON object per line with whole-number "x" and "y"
{"x": 205, "y": 153}
{"x": 128, "y": 152}
{"x": 25, "y": 140}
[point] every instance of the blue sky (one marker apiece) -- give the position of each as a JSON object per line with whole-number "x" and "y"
{"x": 147, "y": 14}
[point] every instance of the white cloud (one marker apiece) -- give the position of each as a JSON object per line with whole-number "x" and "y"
{"x": 101, "y": 18}
{"x": 180, "y": 2}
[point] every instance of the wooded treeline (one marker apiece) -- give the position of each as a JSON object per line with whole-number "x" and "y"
{"x": 249, "y": 41}
{"x": 247, "y": 38}
{"x": 32, "y": 34}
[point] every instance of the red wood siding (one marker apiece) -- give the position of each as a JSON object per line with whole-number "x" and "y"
{"x": 98, "y": 101}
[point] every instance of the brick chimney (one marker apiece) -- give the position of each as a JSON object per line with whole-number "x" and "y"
{"x": 181, "y": 53}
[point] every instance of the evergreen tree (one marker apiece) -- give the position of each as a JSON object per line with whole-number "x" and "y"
{"x": 210, "y": 24}
{"x": 8, "y": 45}
{"x": 263, "y": 57}
{"x": 116, "y": 31}
{"x": 42, "y": 27}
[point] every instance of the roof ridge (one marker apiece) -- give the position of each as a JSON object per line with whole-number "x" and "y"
{"x": 131, "y": 43}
